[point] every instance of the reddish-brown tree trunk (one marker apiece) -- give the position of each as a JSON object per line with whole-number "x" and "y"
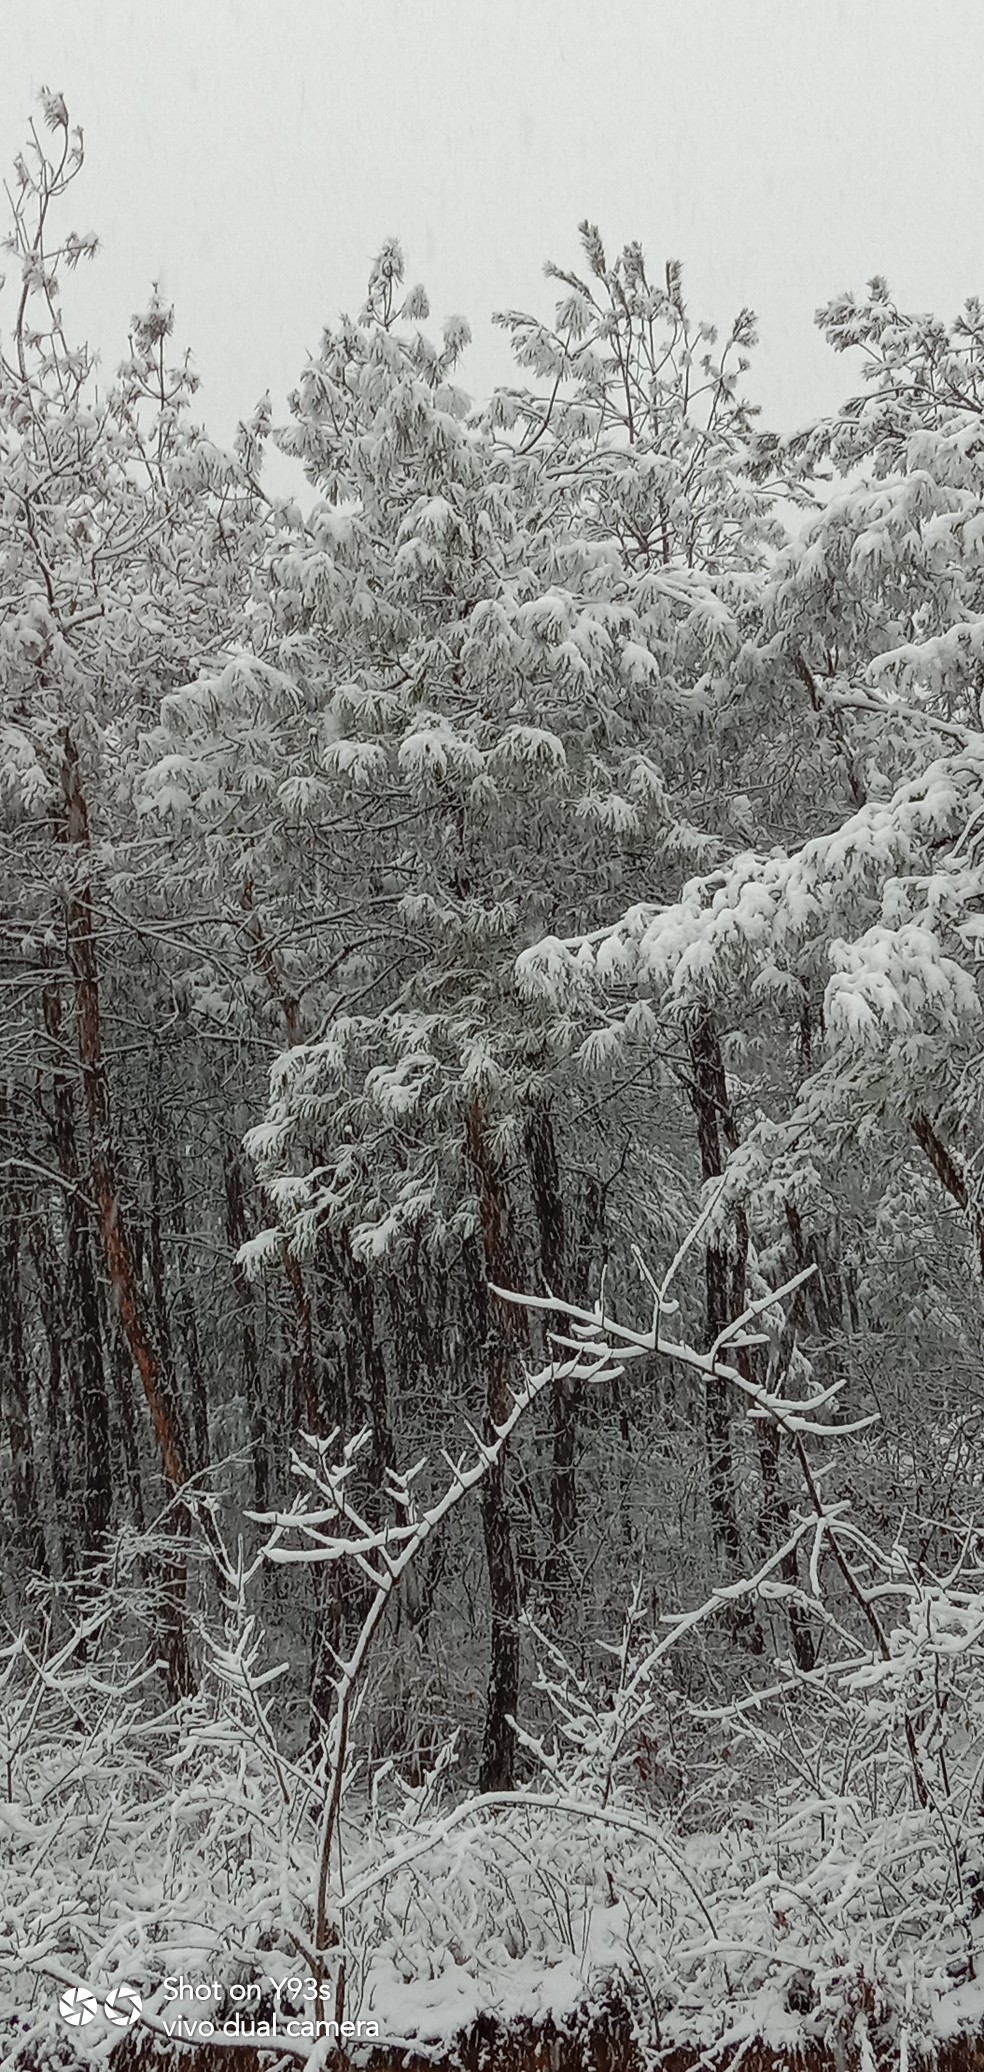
{"x": 119, "y": 1256}
{"x": 123, "y": 1277}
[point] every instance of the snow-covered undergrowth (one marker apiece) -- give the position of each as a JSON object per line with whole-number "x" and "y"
{"x": 818, "y": 1879}
{"x": 800, "y": 1861}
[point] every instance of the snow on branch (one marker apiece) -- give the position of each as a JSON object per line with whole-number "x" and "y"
{"x": 603, "y": 1347}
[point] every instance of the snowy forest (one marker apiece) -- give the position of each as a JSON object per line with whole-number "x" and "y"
{"x": 492, "y": 1200}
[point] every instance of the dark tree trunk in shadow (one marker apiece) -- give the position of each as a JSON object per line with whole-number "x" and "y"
{"x": 49, "y": 1278}
{"x": 87, "y": 1404}
{"x": 363, "y": 1305}
{"x": 502, "y": 1334}
{"x": 183, "y": 1304}
{"x": 237, "y": 1231}
{"x": 15, "y": 1392}
{"x": 708, "y": 1097}
{"x": 544, "y": 1170}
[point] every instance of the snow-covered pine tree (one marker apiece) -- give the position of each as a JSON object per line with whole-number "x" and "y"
{"x": 124, "y": 540}
{"x": 840, "y": 950}
{"x": 482, "y": 688}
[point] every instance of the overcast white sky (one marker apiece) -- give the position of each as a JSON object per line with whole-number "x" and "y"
{"x": 251, "y": 156}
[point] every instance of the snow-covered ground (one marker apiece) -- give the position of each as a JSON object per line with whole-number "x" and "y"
{"x": 167, "y": 1858}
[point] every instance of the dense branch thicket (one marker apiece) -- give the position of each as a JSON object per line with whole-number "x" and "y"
{"x": 528, "y": 862}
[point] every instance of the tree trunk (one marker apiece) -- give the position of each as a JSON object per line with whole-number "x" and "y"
{"x": 302, "y": 1361}
{"x": 362, "y": 1301}
{"x": 544, "y": 1170}
{"x": 333, "y": 1392}
{"x": 88, "y": 1403}
{"x": 502, "y": 1332}
{"x": 774, "y": 1514}
{"x": 123, "y": 1275}
{"x": 183, "y": 1301}
{"x": 15, "y": 1394}
{"x": 121, "y": 1375}
{"x": 49, "y": 1282}
{"x": 154, "y": 1255}
{"x": 708, "y": 1097}
{"x": 951, "y": 1178}
{"x": 119, "y": 1254}
{"x": 237, "y": 1231}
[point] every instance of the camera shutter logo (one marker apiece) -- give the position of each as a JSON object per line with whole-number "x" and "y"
{"x": 78, "y": 2006}
{"x": 122, "y": 2006}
